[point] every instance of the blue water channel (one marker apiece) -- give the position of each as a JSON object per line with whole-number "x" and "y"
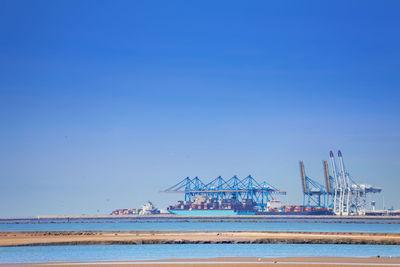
{"x": 186, "y": 251}
{"x": 205, "y": 226}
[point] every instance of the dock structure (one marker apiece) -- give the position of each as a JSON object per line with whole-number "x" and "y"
{"x": 341, "y": 193}
{"x": 314, "y": 194}
{"x": 241, "y": 190}
{"x": 349, "y": 197}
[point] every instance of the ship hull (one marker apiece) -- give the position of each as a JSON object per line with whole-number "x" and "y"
{"x": 242, "y": 212}
{"x": 317, "y": 212}
{"x": 211, "y": 212}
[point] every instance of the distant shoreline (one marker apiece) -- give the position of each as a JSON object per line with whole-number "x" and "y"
{"x": 47, "y": 238}
{"x": 323, "y": 218}
{"x": 237, "y": 261}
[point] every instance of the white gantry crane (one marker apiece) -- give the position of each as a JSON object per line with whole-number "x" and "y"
{"x": 349, "y": 198}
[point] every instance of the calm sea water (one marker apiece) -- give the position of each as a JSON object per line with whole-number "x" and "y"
{"x": 205, "y": 226}
{"x": 173, "y": 251}
{"x": 146, "y": 252}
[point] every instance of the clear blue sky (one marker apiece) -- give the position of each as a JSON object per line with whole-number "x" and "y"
{"x": 104, "y": 103}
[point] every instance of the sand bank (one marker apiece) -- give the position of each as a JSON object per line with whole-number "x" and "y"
{"x": 191, "y": 237}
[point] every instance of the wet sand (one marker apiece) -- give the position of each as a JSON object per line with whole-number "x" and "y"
{"x": 299, "y": 261}
{"x": 191, "y": 237}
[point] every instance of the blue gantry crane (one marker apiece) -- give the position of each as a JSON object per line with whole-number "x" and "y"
{"x": 246, "y": 189}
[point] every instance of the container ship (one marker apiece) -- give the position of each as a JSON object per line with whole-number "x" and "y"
{"x": 220, "y": 207}
{"x": 147, "y": 209}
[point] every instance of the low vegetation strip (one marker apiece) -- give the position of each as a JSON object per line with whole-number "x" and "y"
{"x": 47, "y": 238}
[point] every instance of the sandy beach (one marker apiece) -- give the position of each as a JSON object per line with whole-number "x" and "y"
{"x": 191, "y": 237}
{"x": 288, "y": 261}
